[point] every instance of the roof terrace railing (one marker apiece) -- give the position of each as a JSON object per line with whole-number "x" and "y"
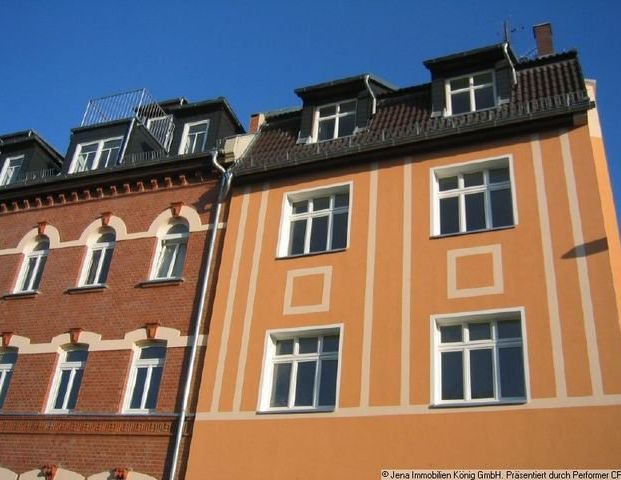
{"x": 136, "y": 104}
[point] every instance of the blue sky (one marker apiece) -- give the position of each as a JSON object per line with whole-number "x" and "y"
{"x": 57, "y": 55}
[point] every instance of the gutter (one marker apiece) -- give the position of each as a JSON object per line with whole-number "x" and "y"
{"x": 225, "y": 185}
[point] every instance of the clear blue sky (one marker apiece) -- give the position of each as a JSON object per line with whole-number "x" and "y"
{"x": 56, "y": 55}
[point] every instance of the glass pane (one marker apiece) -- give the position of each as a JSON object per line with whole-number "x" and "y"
{"x": 502, "y": 208}
{"x": 347, "y": 124}
{"x": 298, "y": 234}
{"x": 284, "y": 347}
{"x": 450, "y": 334}
{"x": 341, "y": 199}
{"x": 326, "y": 129}
{"x": 198, "y": 128}
{"x": 326, "y": 111}
{"x": 177, "y": 228}
{"x": 472, "y": 179}
{"x": 452, "y": 376}
{"x": 330, "y": 343}
{"x": 319, "y": 234}
{"x": 76, "y": 356}
{"x": 39, "y": 272}
{"x": 280, "y": 385}
{"x": 75, "y": 389}
{"x": 449, "y": 215}
{"x": 498, "y": 175}
{"x": 154, "y": 351}
{"x": 32, "y": 263}
{"x": 92, "y": 269}
{"x": 154, "y": 387}
{"x": 481, "y": 374}
{"x": 475, "y": 211}
{"x": 4, "y": 388}
{"x": 482, "y": 79}
{"x": 305, "y": 384}
{"x": 479, "y": 331}
{"x": 141, "y": 375}
{"x": 511, "y": 372}
{"x": 327, "y": 383}
{"x": 105, "y": 267}
{"x": 322, "y": 203}
{"x": 166, "y": 256}
{"x": 509, "y": 329}
{"x": 460, "y": 83}
{"x": 448, "y": 183}
{"x": 179, "y": 260}
{"x": 62, "y": 388}
{"x": 339, "y": 231}
{"x": 347, "y": 107}
{"x": 308, "y": 345}
{"x": 484, "y": 98}
{"x": 8, "y": 357}
{"x": 300, "y": 207}
{"x": 41, "y": 246}
{"x": 460, "y": 103}
{"x": 106, "y": 238}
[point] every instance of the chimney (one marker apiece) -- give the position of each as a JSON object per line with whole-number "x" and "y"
{"x": 543, "y": 37}
{"x": 256, "y": 120}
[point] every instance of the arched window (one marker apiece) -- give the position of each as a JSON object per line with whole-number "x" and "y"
{"x": 8, "y": 358}
{"x": 68, "y": 378}
{"x": 170, "y": 254}
{"x": 98, "y": 258}
{"x": 32, "y": 267}
{"x": 145, "y": 379}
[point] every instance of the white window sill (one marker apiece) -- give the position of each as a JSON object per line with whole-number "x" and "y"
{"x": 483, "y": 230}
{"x": 289, "y": 411}
{"x": 160, "y": 282}
{"x": 311, "y": 254}
{"x": 23, "y": 294}
{"x": 483, "y": 403}
{"x": 86, "y": 289}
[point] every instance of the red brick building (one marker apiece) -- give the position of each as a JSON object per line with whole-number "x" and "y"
{"x": 104, "y": 266}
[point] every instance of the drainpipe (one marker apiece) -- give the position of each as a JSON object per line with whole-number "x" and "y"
{"x": 225, "y": 184}
{"x": 129, "y": 132}
{"x": 366, "y": 82}
{"x": 505, "y": 49}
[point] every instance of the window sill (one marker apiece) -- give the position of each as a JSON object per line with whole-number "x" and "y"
{"x": 310, "y": 254}
{"x": 86, "y": 289}
{"x": 457, "y": 234}
{"x": 290, "y": 411}
{"x": 490, "y": 403}
{"x": 18, "y": 295}
{"x": 161, "y": 282}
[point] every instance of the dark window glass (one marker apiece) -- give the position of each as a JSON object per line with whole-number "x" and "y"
{"x": 284, "y": 347}
{"x": 450, "y": 334}
{"x": 152, "y": 352}
{"x": 300, "y": 207}
{"x": 339, "y": 231}
{"x": 479, "y": 331}
{"x": 308, "y": 345}
{"x": 341, "y": 199}
{"x": 460, "y": 83}
{"x": 449, "y": 215}
{"x": 509, "y": 329}
{"x": 502, "y": 208}
{"x": 5, "y": 387}
{"x": 331, "y": 343}
{"x": 92, "y": 271}
{"x": 322, "y": 203}
{"x": 105, "y": 267}
{"x": 75, "y": 389}
{"x": 484, "y": 98}
{"x": 141, "y": 376}
{"x": 305, "y": 384}
{"x": 473, "y": 179}
{"x": 298, "y": 235}
{"x": 452, "y": 376}
{"x": 280, "y": 385}
{"x": 327, "y": 382}
{"x": 460, "y": 103}
{"x": 62, "y": 388}
{"x": 76, "y": 356}
{"x": 475, "y": 211}
{"x": 347, "y": 125}
{"x": 498, "y": 175}
{"x": 448, "y": 183}
{"x": 326, "y": 129}
{"x": 481, "y": 374}
{"x": 154, "y": 387}
{"x": 511, "y": 372}
{"x": 319, "y": 234}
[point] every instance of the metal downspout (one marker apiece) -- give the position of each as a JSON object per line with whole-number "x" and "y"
{"x": 225, "y": 183}
{"x": 366, "y": 82}
{"x": 505, "y": 48}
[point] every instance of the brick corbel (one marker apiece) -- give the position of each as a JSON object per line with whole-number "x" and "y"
{"x": 105, "y": 218}
{"x": 49, "y": 471}
{"x": 120, "y": 473}
{"x": 74, "y": 334}
{"x": 151, "y": 329}
{"x": 6, "y": 338}
{"x": 175, "y": 208}
{"x": 41, "y": 227}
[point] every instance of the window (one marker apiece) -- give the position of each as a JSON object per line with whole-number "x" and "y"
{"x": 301, "y": 370}
{"x": 315, "y": 221}
{"x": 473, "y": 197}
{"x": 194, "y": 137}
{"x": 10, "y": 170}
{"x": 161, "y": 128}
{"x": 68, "y": 378}
{"x": 335, "y": 120}
{"x": 97, "y": 155}
{"x": 8, "y": 358}
{"x": 32, "y": 267}
{"x": 98, "y": 258}
{"x": 145, "y": 378}
{"x": 470, "y": 93}
{"x": 171, "y": 252}
{"x": 480, "y": 359}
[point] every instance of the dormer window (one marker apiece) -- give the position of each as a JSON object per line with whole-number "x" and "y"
{"x": 10, "y": 170}
{"x": 194, "y": 137}
{"x": 335, "y": 120}
{"x": 97, "y": 155}
{"x": 470, "y": 93}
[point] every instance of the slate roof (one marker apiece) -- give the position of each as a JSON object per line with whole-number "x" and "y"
{"x": 546, "y": 87}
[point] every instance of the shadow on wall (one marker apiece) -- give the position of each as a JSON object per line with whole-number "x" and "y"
{"x": 589, "y": 248}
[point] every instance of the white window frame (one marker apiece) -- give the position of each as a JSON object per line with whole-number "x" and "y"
{"x": 8, "y": 173}
{"x": 176, "y": 240}
{"x": 459, "y": 169}
{"x": 23, "y": 284}
{"x": 493, "y": 316}
{"x": 73, "y": 367}
{"x": 149, "y": 364}
{"x": 75, "y": 168}
{"x": 287, "y": 217}
{"x": 94, "y": 246}
{"x": 6, "y": 371}
{"x": 471, "y": 89}
{"x": 336, "y": 116}
{"x": 185, "y": 138}
{"x": 267, "y": 371}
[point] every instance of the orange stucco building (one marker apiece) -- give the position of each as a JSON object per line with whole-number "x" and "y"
{"x": 414, "y": 278}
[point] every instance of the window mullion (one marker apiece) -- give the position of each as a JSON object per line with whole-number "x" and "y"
{"x": 309, "y": 226}
{"x": 293, "y": 381}
{"x": 330, "y": 221}
{"x": 466, "y": 373}
{"x": 173, "y": 259}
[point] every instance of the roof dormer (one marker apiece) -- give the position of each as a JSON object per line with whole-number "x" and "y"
{"x": 339, "y": 108}
{"x": 472, "y": 81}
{"x": 24, "y": 157}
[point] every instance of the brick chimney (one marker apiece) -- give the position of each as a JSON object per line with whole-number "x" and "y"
{"x": 543, "y": 37}
{"x": 256, "y": 120}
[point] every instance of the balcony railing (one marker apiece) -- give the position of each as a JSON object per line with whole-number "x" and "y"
{"x": 137, "y": 104}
